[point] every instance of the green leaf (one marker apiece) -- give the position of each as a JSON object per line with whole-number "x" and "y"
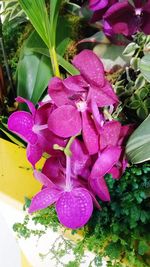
{"x": 14, "y": 138}
{"x": 130, "y": 49}
{"x": 67, "y": 66}
{"x": 33, "y": 75}
{"x": 138, "y": 145}
{"x": 144, "y": 66}
{"x": 54, "y": 10}
{"x": 37, "y": 13}
{"x": 147, "y": 102}
{"x": 135, "y": 104}
{"x": 139, "y": 82}
{"x": 142, "y": 112}
{"x": 143, "y": 92}
{"x": 143, "y": 247}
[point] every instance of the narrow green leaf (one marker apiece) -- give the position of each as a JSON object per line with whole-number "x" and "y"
{"x": 67, "y": 66}
{"x": 11, "y": 136}
{"x": 37, "y": 13}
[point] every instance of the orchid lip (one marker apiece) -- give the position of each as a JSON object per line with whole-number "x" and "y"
{"x": 38, "y": 128}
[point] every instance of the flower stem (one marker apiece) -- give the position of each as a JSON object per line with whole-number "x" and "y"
{"x": 54, "y": 61}
{"x": 68, "y": 174}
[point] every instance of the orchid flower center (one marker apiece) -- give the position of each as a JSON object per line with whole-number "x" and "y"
{"x": 138, "y": 11}
{"x": 68, "y": 187}
{"x": 37, "y": 128}
{"x": 81, "y": 106}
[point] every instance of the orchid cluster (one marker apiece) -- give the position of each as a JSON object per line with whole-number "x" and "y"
{"x": 76, "y": 128}
{"x": 122, "y": 17}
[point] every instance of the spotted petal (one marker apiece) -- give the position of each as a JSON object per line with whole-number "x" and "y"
{"x": 90, "y": 134}
{"x": 21, "y": 123}
{"x": 109, "y": 134}
{"x": 90, "y": 67}
{"x": 74, "y": 208}
{"x": 43, "y": 199}
{"x": 65, "y": 121}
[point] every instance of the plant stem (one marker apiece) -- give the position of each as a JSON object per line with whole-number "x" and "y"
{"x": 68, "y": 173}
{"x": 54, "y": 61}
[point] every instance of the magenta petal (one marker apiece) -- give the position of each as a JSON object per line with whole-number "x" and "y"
{"x": 75, "y": 83}
{"x": 121, "y": 17}
{"x": 80, "y": 159}
{"x": 97, "y": 4}
{"x": 74, "y": 208}
{"x": 57, "y": 91}
{"x": 97, "y": 116}
{"x": 90, "y": 134}
{"x": 44, "y": 179}
{"x": 109, "y": 134}
{"x": 28, "y": 102}
{"x": 115, "y": 172}
{"x": 90, "y": 67}
{"x": 103, "y": 96}
{"x": 100, "y": 188}
{"x": 34, "y": 153}
{"x": 53, "y": 170}
{"x": 65, "y": 121}
{"x": 43, "y": 199}
{"x": 21, "y": 123}
{"x": 106, "y": 160}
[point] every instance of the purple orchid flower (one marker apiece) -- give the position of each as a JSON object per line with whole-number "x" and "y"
{"x": 124, "y": 18}
{"x": 73, "y": 97}
{"x": 100, "y": 7}
{"x": 32, "y": 128}
{"x": 74, "y": 204}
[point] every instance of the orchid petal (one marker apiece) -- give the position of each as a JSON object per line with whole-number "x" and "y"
{"x": 42, "y": 113}
{"x": 106, "y": 160}
{"x": 57, "y": 92}
{"x": 98, "y": 4}
{"x": 74, "y": 208}
{"x": 103, "y": 96}
{"x": 80, "y": 159}
{"x": 28, "y": 102}
{"x": 43, "y": 199}
{"x": 97, "y": 116}
{"x": 75, "y": 83}
{"x": 53, "y": 170}
{"x": 109, "y": 134}
{"x": 43, "y": 179}
{"x": 99, "y": 187}
{"x": 121, "y": 17}
{"x": 34, "y": 153}
{"x": 90, "y": 134}
{"x": 21, "y": 123}
{"x": 90, "y": 67}
{"x": 65, "y": 121}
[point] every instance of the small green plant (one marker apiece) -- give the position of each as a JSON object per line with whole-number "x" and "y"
{"x": 119, "y": 230}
